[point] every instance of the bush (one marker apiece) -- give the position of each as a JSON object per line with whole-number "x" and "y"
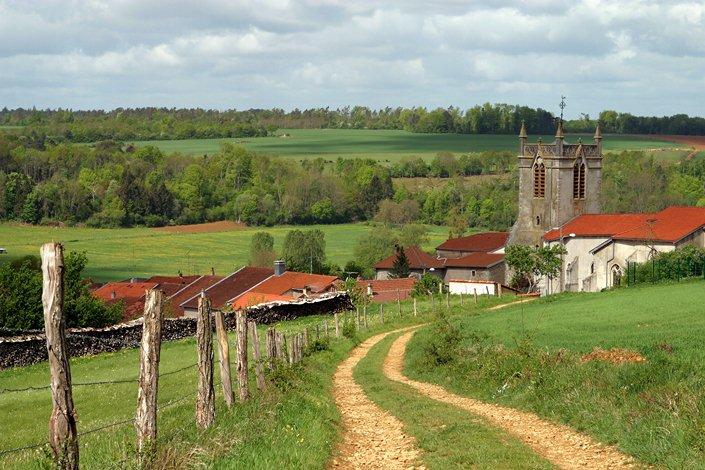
{"x": 444, "y": 346}
{"x": 350, "y": 332}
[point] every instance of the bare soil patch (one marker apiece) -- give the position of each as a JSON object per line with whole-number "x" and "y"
{"x": 613, "y": 356}
{"x": 695, "y": 141}
{"x": 372, "y": 438}
{"x": 210, "y": 227}
{"x": 557, "y": 443}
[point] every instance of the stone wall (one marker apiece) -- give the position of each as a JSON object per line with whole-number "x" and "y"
{"x": 29, "y": 347}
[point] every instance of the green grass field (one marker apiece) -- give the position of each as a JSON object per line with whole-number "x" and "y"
{"x": 142, "y": 252}
{"x": 529, "y": 356}
{"x": 383, "y": 145}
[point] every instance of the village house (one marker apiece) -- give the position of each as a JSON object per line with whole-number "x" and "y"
{"x": 599, "y": 246}
{"x": 420, "y": 263}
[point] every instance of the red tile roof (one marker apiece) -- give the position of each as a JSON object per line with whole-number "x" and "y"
{"x": 669, "y": 225}
{"x": 387, "y": 290}
{"x": 231, "y": 286}
{"x": 280, "y": 285}
{"x": 475, "y": 260}
{"x": 183, "y": 280}
{"x": 249, "y": 299}
{"x": 113, "y": 291}
{"x": 418, "y": 259}
{"x": 190, "y": 290}
{"x": 481, "y": 242}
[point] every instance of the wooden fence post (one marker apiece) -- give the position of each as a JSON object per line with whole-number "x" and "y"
{"x": 364, "y": 314}
{"x": 461, "y": 298}
{"x": 223, "y": 357}
{"x": 304, "y": 338}
{"x": 381, "y": 313}
{"x": 447, "y": 300}
{"x": 292, "y": 349}
{"x": 63, "y": 436}
{"x": 398, "y": 304}
{"x": 475, "y": 291}
{"x": 205, "y": 399}
{"x": 280, "y": 346}
{"x": 241, "y": 329}
{"x": 271, "y": 347}
{"x": 259, "y": 370}
{"x": 337, "y": 325}
{"x": 415, "y": 311}
{"x": 150, "y": 347}
{"x": 357, "y": 318}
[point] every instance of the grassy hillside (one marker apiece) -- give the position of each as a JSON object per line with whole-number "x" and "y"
{"x": 529, "y": 356}
{"x": 142, "y": 252}
{"x": 384, "y": 145}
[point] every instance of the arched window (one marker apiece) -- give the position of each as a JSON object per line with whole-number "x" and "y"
{"x": 539, "y": 179}
{"x": 579, "y": 180}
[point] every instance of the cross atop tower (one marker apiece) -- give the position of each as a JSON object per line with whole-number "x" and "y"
{"x": 562, "y": 106}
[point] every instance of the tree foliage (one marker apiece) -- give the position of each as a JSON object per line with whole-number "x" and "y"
{"x": 400, "y": 267}
{"x": 262, "y": 252}
{"x": 305, "y": 251}
{"x": 530, "y": 264}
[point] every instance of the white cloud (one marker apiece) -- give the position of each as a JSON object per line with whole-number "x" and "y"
{"x": 643, "y": 56}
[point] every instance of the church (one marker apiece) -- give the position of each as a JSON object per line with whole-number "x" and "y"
{"x": 559, "y": 203}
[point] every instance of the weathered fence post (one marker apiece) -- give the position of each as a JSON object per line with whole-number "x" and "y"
{"x": 304, "y": 338}
{"x": 337, "y": 325}
{"x": 63, "y": 436}
{"x": 280, "y": 345}
{"x": 241, "y": 330}
{"x": 364, "y": 314}
{"x": 357, "y": 318}
{"x": 415, "y": 311}
{"x": 447, "y": 300}
{"x": 381, "y": 313}
{"x": 318, "y": 332}
{"x": 292, "y": 349}
{"x": 205, "y": 399}
{"x": 259, "y": 370}
{"x": 475, "y": 291}
{"x": 223, "y": 357}
{"x": 398, "y": 304}
{"x": 325, "y": 327}
{"x": 461, "y": 298}
{"x": 271, "y": 346}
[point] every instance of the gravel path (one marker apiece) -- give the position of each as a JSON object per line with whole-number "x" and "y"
{"x": 372, "y": 438}
{"x": 559, "y": 444}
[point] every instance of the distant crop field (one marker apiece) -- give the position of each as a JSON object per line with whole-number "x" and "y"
{"x": 115, "y": 254}
{"x": 383, "y": 145}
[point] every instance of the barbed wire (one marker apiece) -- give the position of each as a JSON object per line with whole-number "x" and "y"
{"x": 97, "y": 382}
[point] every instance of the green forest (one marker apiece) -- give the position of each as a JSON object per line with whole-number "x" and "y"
{"x": 108, "y": 185}
{"x": 64, "y": 125}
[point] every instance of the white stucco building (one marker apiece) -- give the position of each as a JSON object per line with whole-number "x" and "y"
{"x": 599, "y": 246}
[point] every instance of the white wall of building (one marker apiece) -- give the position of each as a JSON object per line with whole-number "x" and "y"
{"x": 472, "y": 288}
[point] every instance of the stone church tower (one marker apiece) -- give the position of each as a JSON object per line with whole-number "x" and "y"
{"x": 557, "y": 182}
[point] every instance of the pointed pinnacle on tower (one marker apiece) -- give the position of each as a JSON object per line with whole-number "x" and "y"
{"x": 522, "y": 132}
{"x": 598, "y": 132}
{"x": 559, "y": 131}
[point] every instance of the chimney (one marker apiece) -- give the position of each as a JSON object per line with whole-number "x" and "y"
{"x": 113, "y": 295}
{"x": 279, "y": 267}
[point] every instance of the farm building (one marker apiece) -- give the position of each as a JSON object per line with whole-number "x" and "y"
{"x": 465, "y": 264}
{"x": 474, "y": 287}
{"x": 599, "y": 246}
{"x": 486, "y": 242}
{"x": 420, "y": 262}
{"x": 387, "y": 290}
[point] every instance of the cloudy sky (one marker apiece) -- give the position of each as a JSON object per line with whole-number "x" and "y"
{"x": 641, "y": 56}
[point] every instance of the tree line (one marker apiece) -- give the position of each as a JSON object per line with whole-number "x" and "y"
{"x": 123, "y": 124}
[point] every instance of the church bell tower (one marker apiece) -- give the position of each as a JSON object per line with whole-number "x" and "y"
{"x": 557, "y": 182}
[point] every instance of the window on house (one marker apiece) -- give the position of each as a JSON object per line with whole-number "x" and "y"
{"x": 473, "y": 273}
{"x": 592, "y": 268}
{"x": 538, "y": 220}
{"x": 539, "y": 179}
{"x": 579, "y": 180}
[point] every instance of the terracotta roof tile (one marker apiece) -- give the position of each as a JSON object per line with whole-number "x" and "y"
{"x": 475, "y": 260}
{"x": 481, "y": 242}
{"x": 231, "y": 286}
{"x": 190, "y": 290}
{"x": 387, "y": 290}
{"x": 669, "y": 225}
{"x": 249, "y": 299}
{"x": 279, "y": 285}
{"x": 418, "y": 259}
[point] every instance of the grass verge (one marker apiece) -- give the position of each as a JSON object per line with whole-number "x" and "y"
{"x": 530, "y": 357}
